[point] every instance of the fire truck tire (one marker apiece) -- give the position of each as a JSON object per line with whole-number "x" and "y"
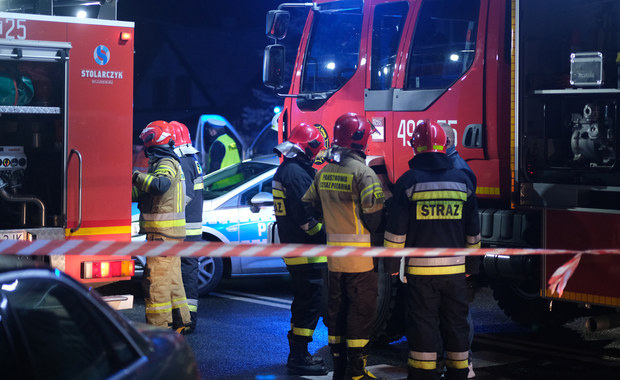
{"x": 527, "y": 308}
{"x": 390, "y": 321}
{"x": 210, "y": 273}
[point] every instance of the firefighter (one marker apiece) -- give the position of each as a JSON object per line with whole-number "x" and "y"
{"x": 295, "y": 225}
{"x": 193, "y": 214}
{"x": 223, "y": 151}
{"x": 161, "y": 200}
{"x": 434, "y": 205}
{"x": 349, "y": 196}
{"x": 472, "y": 263}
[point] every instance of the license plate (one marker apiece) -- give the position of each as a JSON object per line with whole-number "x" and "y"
{"x": 14, "y": 235}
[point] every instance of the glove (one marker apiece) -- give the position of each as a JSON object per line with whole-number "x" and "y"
{"x": 135, "y": 175}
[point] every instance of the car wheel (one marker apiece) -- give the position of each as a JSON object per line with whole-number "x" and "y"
{"x": 210, "y": 272}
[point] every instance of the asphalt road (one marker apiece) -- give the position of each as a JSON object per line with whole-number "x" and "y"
{"x": 243, "y": 324}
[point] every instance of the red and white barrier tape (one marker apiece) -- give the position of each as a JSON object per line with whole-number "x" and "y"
{"x": 215, "y": 249}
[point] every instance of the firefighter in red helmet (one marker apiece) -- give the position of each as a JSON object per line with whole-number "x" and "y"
{"x": 193, "y": 214}
{"x": 349, "y": 196}
{"x": 161, "y": 199}
{"x": 434, "y": 205}
{"x": 296, "y": 225}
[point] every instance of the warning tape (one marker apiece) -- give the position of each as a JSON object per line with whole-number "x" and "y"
{"x": 557, "y": 282}
{"x": 217, "y": 249}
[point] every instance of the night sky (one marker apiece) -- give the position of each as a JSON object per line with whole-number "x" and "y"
{"x": 198, "y": 57}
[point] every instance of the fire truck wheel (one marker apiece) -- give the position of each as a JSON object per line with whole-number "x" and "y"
{"x": 210, "y": 272}
{"x": 389, "y": 324}
{"x": 526, "y": 307}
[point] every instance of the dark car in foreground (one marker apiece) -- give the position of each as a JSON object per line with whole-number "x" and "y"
{"x": 52, "y": 327}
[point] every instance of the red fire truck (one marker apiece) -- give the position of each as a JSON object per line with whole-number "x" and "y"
{"x": 66, "y": 89}
{"x": 532, "y": 90}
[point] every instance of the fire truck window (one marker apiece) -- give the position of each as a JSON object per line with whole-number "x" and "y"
{"x": 66, "y": 335}
{"x": 444, "y": 43}
{"x": 387, "y": 29}
{"x": 333, "y": 48}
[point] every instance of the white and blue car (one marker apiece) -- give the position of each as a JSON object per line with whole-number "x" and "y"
{"x": 238, "y": 208}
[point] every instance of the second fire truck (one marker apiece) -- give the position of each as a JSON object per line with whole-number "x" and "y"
{"x": 531, "y": 88}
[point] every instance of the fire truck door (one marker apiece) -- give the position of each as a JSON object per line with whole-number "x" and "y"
{"x": 438, "y": 74}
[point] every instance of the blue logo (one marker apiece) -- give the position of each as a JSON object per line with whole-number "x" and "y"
{"x": 102, "y": 55}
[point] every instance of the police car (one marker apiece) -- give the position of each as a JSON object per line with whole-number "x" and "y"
{"x": 237, "y": 208}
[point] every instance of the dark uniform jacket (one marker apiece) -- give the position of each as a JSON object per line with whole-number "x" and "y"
{"x": 295, "y": 225}
{"x": 194, "y": 185}
{"x": 433, "y": 196}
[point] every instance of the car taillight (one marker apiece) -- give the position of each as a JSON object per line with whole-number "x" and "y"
{"x": 108, "y": 269}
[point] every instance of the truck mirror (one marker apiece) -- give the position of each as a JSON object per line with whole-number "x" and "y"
{"x": 277, "y": 24}
{"x": 273, "y": 66}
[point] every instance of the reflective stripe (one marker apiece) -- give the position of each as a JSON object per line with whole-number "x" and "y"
{"x": 199, "y": 186}
{"x": 458, "y": 364}
{"x": 278, "y": 193}
{"x": 457, "y": 356}
{"x": 434, "y": 271}
{"x": 163, "y": 216}
{"x": 334, "y": 339}
{"x": 473, "y": 240}
{"x": 147, "y": 182}
{"x": 157, "y": 308}
{"x": 425, "y": 356}
{"x": 179, "y": 302}
{"x": 357, "y": 343}
{"x": 302, "y": 332}
{"x": 348, "y": 238}
{"x": 192, "y": 308}
{"x": 315, "y": 230}
{"x": 395, "y": 238}
{"x": 435, "y": 261}
{"x": 437, "y": 186}
{"x": 370, "y": 189}
{"x": 443, "y": 194}
{"x": 389, "y": 244}
{"x": 348, "y": 244}
{"x": 193, "y": 225}
{"x": 163, "y": 223}
{"x": 304, "y": 260}
{"x": 477, "y": 245}
{"x": 428, "y": 365}
{"x": 193, "y": 231}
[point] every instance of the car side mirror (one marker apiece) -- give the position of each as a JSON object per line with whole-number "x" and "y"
{"x": 273, "y": 66}
{"x": 259, "y": 200}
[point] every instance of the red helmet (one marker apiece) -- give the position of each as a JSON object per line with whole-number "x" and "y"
{"x": 352, "y": 131}
{"x": 181, "y": 133}
{"x": 428, "y": 136}
{"x": 157, "y": 133}
{"x": 308, "y": 138}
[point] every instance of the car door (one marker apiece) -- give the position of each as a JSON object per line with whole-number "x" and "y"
{"x": 253, "y": 222}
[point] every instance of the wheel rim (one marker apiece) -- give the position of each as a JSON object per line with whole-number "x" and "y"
{"x": 206, "y": 271}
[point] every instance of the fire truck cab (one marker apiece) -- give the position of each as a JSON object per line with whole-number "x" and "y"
{"x": 532, "y": 89}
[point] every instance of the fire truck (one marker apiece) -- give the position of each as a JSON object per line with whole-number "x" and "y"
{"x": 66, "y": 89}
{"x": 531, "y": 88}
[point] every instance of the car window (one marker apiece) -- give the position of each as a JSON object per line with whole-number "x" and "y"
{"x": 222, "y": 181}
{"x": 265, "y": 187}
{"x": 64, "y": 334}
{"x": 247, "y": 195}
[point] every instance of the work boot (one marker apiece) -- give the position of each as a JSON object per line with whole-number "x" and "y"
{"x": 301, "y": 363}
{"x": 339, "y": 357}
{"x": 356, "y": 365}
